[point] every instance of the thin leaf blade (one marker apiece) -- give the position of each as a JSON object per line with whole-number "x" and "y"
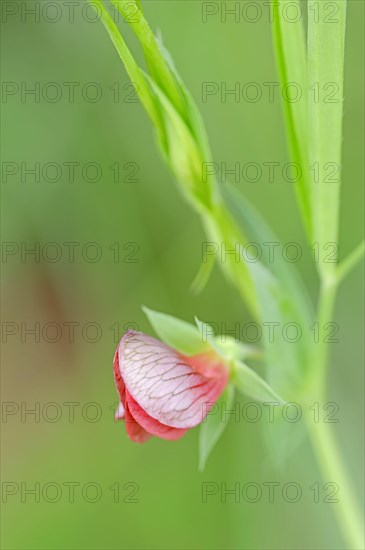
{"x": 326, "y": 50}
{"x": 212, "y": 427}
{"x": 291, "y": 60}
{"x": 248, "y": 382}
{"x": 176, "y": 333}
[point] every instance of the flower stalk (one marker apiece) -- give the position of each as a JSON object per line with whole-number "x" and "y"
{"x": 314, "y": 132}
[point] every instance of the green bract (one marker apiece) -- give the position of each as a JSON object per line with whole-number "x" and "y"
{"x": 213, "y": 426}
{"x": 178, "y": 334}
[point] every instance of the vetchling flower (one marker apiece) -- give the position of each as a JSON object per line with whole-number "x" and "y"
{"x": 163, "y": 392}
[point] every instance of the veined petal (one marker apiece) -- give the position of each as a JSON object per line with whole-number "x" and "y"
{"x": 176, "y": 391}
{"x": 152, "y": 426}
{"x": 118, "y": 378}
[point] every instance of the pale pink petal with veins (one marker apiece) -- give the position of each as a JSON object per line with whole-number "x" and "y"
{"x": 159, "y": 384}
{"x": 151, "y": 425}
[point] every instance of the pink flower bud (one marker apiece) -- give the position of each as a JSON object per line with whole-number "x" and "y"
{"x": 163, "y": 392}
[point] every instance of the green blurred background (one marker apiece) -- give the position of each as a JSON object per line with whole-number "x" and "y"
{"x": 150, "y": 213}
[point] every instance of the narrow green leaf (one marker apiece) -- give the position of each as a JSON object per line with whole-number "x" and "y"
{"x": 326, "y": 49}
{"x": 258, "y": 232}
{"x": 212, "y": 427}
{"x": 135, "y": 73}
{"x": 286, "y": 336}
{"x": 176, "y": 333}
{"x": 162, "y": 95}
{"x": 194, "y": 118}
{"x": 282, "y": 298}
{"x": 291, "y": 59}
{"x": 157, "y": 65}
{"x": 248, "y": 382}
{"x": 183, "y": 142}
{"x": 184, "y": 157}
{"x": 165, "y": 74}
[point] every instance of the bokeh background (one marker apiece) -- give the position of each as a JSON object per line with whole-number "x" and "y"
{"x": 104, "y": 297}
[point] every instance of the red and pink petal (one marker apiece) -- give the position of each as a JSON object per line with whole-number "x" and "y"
{"x": 173, "y": 390}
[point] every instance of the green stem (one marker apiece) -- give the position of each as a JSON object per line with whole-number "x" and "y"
{"x": 323, "y": 442}
{"x": 332, "y": 467}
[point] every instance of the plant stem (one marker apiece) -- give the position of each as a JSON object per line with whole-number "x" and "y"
{"x": 332, "y": 467}
{"x": 323, "y": 442}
